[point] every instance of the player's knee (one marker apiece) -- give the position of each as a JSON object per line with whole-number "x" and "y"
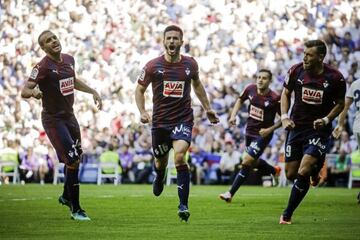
{"x": 179, "y": 158}
{"x": 291, "y": 175}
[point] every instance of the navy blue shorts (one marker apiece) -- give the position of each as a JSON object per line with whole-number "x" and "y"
{"x": 255, "y": 146}
{"x": 305, "y": 141}
{"x": 162, "y": 138}
{"x": 64, "y": 135}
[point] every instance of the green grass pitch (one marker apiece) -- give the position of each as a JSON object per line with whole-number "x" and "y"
{"x": 132, "y": 212}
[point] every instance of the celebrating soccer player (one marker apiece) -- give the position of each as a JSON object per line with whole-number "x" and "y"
{"x": 171, "y": 76}
{"x": 264, "y": 104}
{"x": 53, "y": 81}
{"x": 319, "y": 98}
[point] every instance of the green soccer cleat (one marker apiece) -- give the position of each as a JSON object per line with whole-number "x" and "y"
{"x": 64, "y": 201}
{"x": 80, "y": 215}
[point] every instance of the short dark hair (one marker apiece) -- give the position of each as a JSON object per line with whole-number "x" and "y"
{"x": 41, "y": 34}
{"x": 319, "y": 44}
{"x": 173, "y": 28}
{"x": 266, "y": 71}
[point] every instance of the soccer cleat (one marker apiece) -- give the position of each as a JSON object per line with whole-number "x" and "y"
{"x": 226, "y": 197}
{"x": 158, "y": 186}
{"x": 64, "y": 201}
{"x": 284, "y": 221}
{"x": 314, "y": 180}
{"x": 183, "y": 213}
{"x": 277, "y": 171}
{"x": 80, "y": 215}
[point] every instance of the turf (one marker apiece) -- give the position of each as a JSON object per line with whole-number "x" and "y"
{"x": 131, "y": 212}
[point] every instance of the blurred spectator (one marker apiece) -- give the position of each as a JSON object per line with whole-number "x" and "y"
{"x": 229, "y": 164}
{"x": 338, "y": 175}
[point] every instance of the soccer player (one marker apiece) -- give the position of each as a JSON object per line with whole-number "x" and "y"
{"x": 352, "y": 96}
{"x": 172, "y": 76}
{"x": 319, "y": 91}
{"x": 53, "y": 81}
{"x": 264, "y": 104}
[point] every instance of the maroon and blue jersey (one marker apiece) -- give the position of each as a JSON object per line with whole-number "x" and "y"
{"x": 262, "y": 109}
{"x": 171, "y": 87}
{"x": 315, "y": 95}
{"x": 56, "y": 81}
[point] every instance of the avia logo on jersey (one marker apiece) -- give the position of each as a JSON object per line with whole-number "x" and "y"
{"x": 174, "y": 89}
{"x": 312, "y": 96}
{"x": 256, "y": 113}
{"x": 67, "y": 86}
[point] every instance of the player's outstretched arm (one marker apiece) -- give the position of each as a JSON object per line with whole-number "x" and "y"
{"x": 83, "y": 87}
{"x": 140, "y": 103}
{"x": 30, "y": 90}
{"x": 201, "y": 94}
{"x": 341, "y": 121}
{"x": 287, "y": 123}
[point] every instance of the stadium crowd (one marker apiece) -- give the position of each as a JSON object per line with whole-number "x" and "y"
{"x": 112, "y": 40}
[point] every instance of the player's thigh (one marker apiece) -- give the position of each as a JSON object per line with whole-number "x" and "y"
{"x": 161, "y": 143}
{"x": 60, "y": 137}
{"x": 307, "y": 164}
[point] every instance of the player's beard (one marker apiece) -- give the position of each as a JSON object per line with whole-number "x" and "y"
{"x": 173, "y": 51}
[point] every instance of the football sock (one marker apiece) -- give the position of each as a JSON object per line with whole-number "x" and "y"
{"x": 65, "y": 192}
{"x": 240, "y": 178}
{"x": 183, "y": 183}
{"x": 265, "y": 167}
{"x": 73, "y": 186}
{"x": 160, "y": 173}
{"x": 298, "y": 192}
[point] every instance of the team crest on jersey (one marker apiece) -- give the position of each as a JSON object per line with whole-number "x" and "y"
{"x": 256, "y": 113}
{"x": 312, "y": 96}
{"x": 34, "y": 73}
{"x": 187, "y": 71}
{"x": 325, "y": 84}
{"x": 266, "y": 103}
{"x": 67, "y": 86}
{"x": 174, "y": 89}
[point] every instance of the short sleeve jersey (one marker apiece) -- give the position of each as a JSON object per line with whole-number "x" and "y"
{"x": 262, "y": 109}
{"x": 171, "y": 87}
{"x": 315, "y": 95}
{"x": 354, "y": 94}
{"x": 56, "y": 81}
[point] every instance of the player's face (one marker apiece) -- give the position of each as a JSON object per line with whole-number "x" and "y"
{"x": 50, "y": 43}
{"x": 263, "y": 81}
{"x": 172, "y": 42}
{"x": 312, "y": 59}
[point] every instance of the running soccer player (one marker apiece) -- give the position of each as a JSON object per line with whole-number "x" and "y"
{"x": 319, "y": 98}
{"x": 53, "y": 81}
{"x": 172, "y": 76}
{"x": 264, "y": 104}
